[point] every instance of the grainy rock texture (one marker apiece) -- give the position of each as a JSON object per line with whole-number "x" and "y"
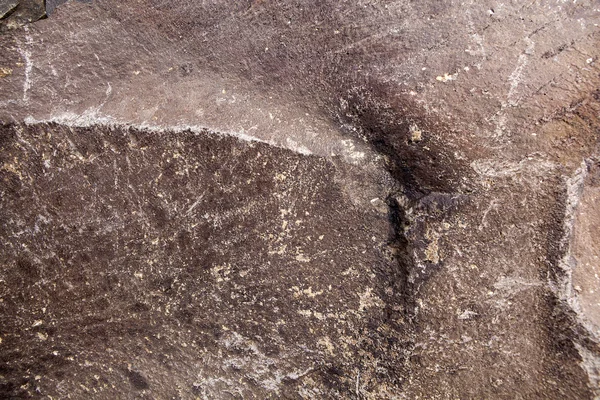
{"x": 7, "y": 7}
{"x": 15, "y": 13}
{"x": 301, "y": 199}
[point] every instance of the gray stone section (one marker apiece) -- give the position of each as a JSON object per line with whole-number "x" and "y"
{"x": 7, "y": 6}
{"x": 14, "y": 14}
{"x": 52, "y": 4}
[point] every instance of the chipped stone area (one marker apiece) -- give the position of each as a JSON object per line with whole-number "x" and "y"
{"x": 580, "y": 281}
{"x": 586, "y": 275}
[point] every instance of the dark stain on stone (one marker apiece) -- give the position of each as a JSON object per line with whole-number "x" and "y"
{"x": 137, "y": 380}
{"x": 387, "y": 122}
{"x": 186, "y": 69}
{"x": 28, "y": 269}
{"x": 558, "y": 50}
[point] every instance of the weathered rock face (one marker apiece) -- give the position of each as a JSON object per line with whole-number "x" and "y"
{"x": 585, "y": 248}
{"x": 233, "y": 266}
{"x": 15, "y": 13}
{"x": 300, "y": 200}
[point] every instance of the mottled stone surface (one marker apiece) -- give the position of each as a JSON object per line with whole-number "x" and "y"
{"x": 14, "y": 14}
{"x": 52, "y": 4}
{"x": 586, "y": 247}
{"x": 7, "y": 6}
{"x": 263, "y": 199}
{"x": 184, "y": 263}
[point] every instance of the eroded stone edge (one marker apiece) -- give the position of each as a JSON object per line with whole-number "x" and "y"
{"x": 583, "y": 338}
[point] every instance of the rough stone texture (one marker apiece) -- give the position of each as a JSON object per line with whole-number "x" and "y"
{"x": 265, "y": 199}
{"x": 14, "y": 14}
{"x": 586, "y": 248}
{"x": 6, "y": 7}
{"x": 232, "y": 266}
{"x": 52, "y": 4}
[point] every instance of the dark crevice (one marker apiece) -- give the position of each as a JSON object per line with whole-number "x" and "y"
{"x": 422, "y": 169}
{"x": 429, "y": 182}
{"x": 400, "y": 249}
{"x": 387, "y": 127}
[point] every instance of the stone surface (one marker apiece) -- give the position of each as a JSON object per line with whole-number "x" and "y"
{"x": 240, "y": 267}
{"x": 52, "y": 4}
{"x": 14, "y": 14}
{"x": 7, "y": 6}
{"x": 586, "y": 249}
{"x": 267, "y": 199}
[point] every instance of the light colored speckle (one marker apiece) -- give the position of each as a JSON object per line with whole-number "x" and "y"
{"x": 221, "y": 272}
{"x": 447, "y": 77}
{"x": 415, "y": 133}
{"x": 305, "y": 313}
{"x": 326, "y": 343}
{"x": 280, "y": 177}
{"x": 432, "y": 250}
{"x": 467, "y": 314}
{"x": 5, "y": 72}
{"x": 350, "y": 151}
{"x": 368, "y": 300}
{"x": 302, "y": 258}
{"x": 305, "y": 292}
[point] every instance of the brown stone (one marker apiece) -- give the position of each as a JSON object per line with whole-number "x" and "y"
{"x": 264, "y": 199}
